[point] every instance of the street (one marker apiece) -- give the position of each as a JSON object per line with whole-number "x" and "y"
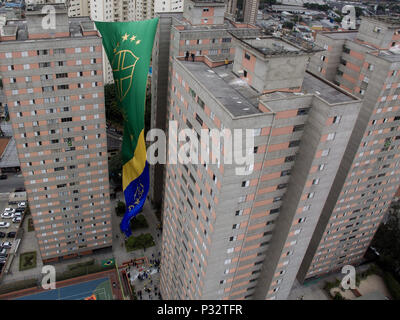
{"x": 13, "y": 181}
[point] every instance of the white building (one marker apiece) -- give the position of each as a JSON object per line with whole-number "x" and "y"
{"x": 168, "y": 6}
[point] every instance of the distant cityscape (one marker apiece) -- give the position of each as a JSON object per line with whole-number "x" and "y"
{"x": 316, "y": 81}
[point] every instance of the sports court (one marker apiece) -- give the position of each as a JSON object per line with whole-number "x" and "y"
{"x": 98, "y": 289}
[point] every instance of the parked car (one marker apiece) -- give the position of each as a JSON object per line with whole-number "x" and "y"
{"x": 11, "y": 210}
{"x": 3, "y": 252}
{"x": 6, "y": 244}
{"x": 7, "y": 215}
{"x": 17, "y": 214}
{"x": 4, "y": 224}
{"x": 19, "y": 210}
{"x": 11, "y": 234}
{"x": 3, "y": 177}
{"x": 22, "y": 204}
{"x": 16, "y": 220}
{"x": 2, "y": 235}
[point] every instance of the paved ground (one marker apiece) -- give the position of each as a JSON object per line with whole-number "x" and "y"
{"x": 29, "y": 243}
{"x": 14, "y": 180}
{"x": 313, "y": 290}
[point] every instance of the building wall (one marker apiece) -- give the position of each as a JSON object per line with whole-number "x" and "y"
{"x": 368, "y": 176}
{"x": 58, "y": 118}
{"x": 168, "y": 6}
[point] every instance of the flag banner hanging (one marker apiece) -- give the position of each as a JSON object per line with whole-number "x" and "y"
{"x": 128, "y": 46}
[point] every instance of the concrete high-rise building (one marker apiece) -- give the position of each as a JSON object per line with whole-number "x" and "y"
{"x": 250, "y": 10}
{"x": 230, "y": 236}
{"x": 227, "y": 236}
{"x": 168, "y": 6}
{"x": 367, "y": 64}
{"x": 53, "y": 87}
{"x": 202, "y": 30}
{"x": 79, "y": 8}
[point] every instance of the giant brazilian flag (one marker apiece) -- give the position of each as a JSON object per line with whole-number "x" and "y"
{"x": 128, "y": 46}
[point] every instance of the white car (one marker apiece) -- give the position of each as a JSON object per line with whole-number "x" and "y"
{"x": 16, "y": 220}
{"x": 17, "y": 214}
{"x": 22, "y": 204}
{"x": 11, "y": 210}
{"x": 4, "y": 224}
{"x": 7, "y": 244}
{"x": 7, "y": 215}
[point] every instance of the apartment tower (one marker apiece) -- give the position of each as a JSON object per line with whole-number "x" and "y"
{"x": 232, "y": 236}
{"x": 250, "y": 10}
{"x": 201, "y": 30}
{"x": 365, "y": 63}
{"x": 53, "y": 87}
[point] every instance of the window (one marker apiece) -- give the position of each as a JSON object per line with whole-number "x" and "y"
{"x": 59, "y": 51}
{"x": 303, "y": 111}
{"x": 285, "y": 173}
{"x": 315, "y": 181}
{"x": 325, "y": 152}
{"x": 272, "y": 211}
{"x": 290, "y": 158}
{"x": 331, "y": 136}
{"x": 294, "y": 143}
{"x": 336, "y": 119}
{"x": 247, "y": 56}
{"x": 226, "y": 39}
{"x": 44, "y": 64}
{"x": 298, "y": 127}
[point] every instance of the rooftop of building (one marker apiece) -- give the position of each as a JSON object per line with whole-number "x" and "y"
{"x": 232, "y": 92}
{"x": 3, "y": 144}
{"x": 208, "y": 3}
{"x": 184, "y": 25}
{"x": 313, "y": 84}
{"x": 8, "y": 148}
{"x": 392, "y": 54}
{"x": 342, "y": 35}
{"x": 268, "y": 46}
{"x": 391, "y": 21}
{"x": 19, "y": 28}
{"x": 240, "y": 99}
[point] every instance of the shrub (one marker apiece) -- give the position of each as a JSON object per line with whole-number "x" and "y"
{"x": 120, "y": 209}
{"x": 18, "y": 285}
{"x": 27, "y": 260}
{"x": 31, "y": 227}
{"x": 330, "y": 285}
{"x": 392, "y": 285}
{"x": 140, "y": 242}
{"x": 338, "y": 296}
{"x": 80, "y": 265}
{"x": 139, "y": 222}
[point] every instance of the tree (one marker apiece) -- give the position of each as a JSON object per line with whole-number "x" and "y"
{"x": 113, "y": 112}
{"x": 288, "y": 25}
{"x": 359, "y": 11}
{"x": 115, "y": 168}
{"x": 387, "y": 242}
{"x": 120, "y": 208}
